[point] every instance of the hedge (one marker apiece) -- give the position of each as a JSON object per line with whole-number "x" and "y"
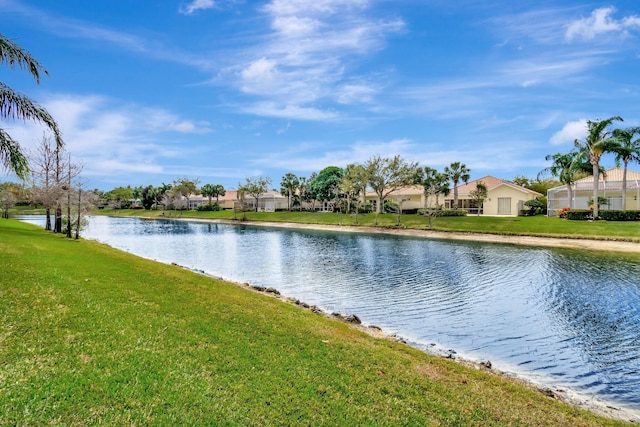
{"x": 620, "y": 215}
{"x": 581, "y": 215}
{"x": 445, "y": 212}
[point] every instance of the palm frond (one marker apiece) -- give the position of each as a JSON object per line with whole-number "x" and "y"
{"x": 14, "y": 105}
{"x": 12, "y": 54}
{"x": 12, "y": 157}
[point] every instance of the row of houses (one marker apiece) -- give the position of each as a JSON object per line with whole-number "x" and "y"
{"x": 504, "y": 198}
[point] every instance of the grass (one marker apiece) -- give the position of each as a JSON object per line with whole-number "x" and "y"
{"x": 528, "y": 226}
{"x": 92, "y": 336}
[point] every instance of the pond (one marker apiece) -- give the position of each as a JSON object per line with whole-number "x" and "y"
{"x": 563, "y": 319}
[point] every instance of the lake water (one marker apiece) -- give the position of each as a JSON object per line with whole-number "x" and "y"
{"x": 564, "y": 319}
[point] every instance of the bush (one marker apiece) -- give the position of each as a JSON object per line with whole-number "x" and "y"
{"x": 445, "y": 212}
{"x": 579, "y": 214}
{"x": 620, "y": 215}
{"x": 208, "y": 208}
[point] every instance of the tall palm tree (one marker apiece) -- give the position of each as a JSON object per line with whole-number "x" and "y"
{"x": 598, "y": 141}
{"x": 567, "y": 168}
{"x": 288, "y": 187}
{"x": 457, "y": 172}
{"x": 626, "y": 149}
{"x": 16, "y": 106}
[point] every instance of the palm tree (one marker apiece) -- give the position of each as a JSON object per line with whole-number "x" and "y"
{"x": 567, "y": 168}
{"x": 16, "y": 106}
{"x": 288, "y": 187}
{"x": 457, "y": 172}
{"x": 598, "y": 141}
{"x": 213, "y": 190}
{"x": 626, "y": 149}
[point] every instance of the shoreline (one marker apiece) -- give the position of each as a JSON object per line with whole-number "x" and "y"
{"x": 518, "y": 240}
{"x": 593, "y": 404}
{"x": 604, "y": 408}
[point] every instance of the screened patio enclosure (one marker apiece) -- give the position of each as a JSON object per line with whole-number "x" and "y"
{"x": 609, "y": 188}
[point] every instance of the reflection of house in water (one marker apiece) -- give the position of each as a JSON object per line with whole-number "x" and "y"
{"x": 609, "y": 187}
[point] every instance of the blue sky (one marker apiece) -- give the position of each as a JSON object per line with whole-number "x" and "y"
{"x": 149, "y": 91}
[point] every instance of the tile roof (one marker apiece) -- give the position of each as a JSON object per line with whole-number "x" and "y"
{"x": 612, "y": 175}
{"x": 491, "y": 182}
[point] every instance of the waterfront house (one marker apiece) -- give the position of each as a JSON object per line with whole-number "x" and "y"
{"x": 503, "y": 197}
{"x": 609, "y": 187}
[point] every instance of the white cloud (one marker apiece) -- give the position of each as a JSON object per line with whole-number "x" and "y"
{"x": 354, "y": 93}
{"x": 304, "y": 58}
{"x": 109, "y": 138}
{"x": 197, "y": 5}
{"x": 272, "y": 109}
{"x": 570, "y": 132}
{"x": 599, "y": 23}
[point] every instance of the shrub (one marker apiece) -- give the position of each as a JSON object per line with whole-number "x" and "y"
{"x": 563, "y": 212}
{"x": 620, "y": 215}
{"x": 579, "y": 214}
{"x": 208, "y": 208}
{"x": 445, "y": 212}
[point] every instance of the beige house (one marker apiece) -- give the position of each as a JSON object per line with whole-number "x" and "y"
{"x": 269, "y": 201}
{"x": 609, "y": 187}
{"x": 503, "y": 197}
{"x": 410, "y": 198}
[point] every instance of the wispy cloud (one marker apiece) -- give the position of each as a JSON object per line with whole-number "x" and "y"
{"x": 196, "y": 5}
{"x": 601, "y": 22}
{"x": 110, "y": 138}
{"x": 302, "y": 63}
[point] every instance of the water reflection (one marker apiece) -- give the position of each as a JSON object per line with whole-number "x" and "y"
{"x": 565, "y": 318}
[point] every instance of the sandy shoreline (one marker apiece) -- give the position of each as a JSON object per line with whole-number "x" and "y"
{"x": 531, "y": 241}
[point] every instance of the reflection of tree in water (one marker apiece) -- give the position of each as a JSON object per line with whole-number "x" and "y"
{"x": 596, "y": 302}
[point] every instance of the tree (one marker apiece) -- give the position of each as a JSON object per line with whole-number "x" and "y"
{"x": 184, "y": 187}
{"x": 136, "y": 195}
{"x": 288, "y": 186}
{"x": 354, "y": 184}
{"x": 568, "y": 168}
{"x": 120, "y": 197}
{"x": 45, "y": 188}
{"x": 457, "y": 172}
{"x": 325, "y": 186}
{"x": 255, "y": 187}
{"x": 598, "y": 141}
{"x": 213, "y": 190}
{"x": 148, "y": 196}
{"x": 479, "y": 195}
{"x": 385, "y": 175}
{"x": 84, "y": 201}
{"x": 626, "y": 150}
{"x": 305, "y": 193}
{"x": 7, "y": 201}
{"x": 434, "y": 184}
{"x": 16, "y": 106}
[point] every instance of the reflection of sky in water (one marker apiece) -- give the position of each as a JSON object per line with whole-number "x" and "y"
{"x": 567, "y": 319}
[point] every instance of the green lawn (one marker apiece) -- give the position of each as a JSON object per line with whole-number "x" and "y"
{"x": 532, "y": 226}
{"x": 93, "y": 336}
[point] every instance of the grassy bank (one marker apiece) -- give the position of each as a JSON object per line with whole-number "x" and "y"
{"x": 527, "y": 226}
{"x": 91, "y": 335}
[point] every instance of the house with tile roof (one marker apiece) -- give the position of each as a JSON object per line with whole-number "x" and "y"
{"x": 609, "y": 187}
{"x": 503, "y": 197}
